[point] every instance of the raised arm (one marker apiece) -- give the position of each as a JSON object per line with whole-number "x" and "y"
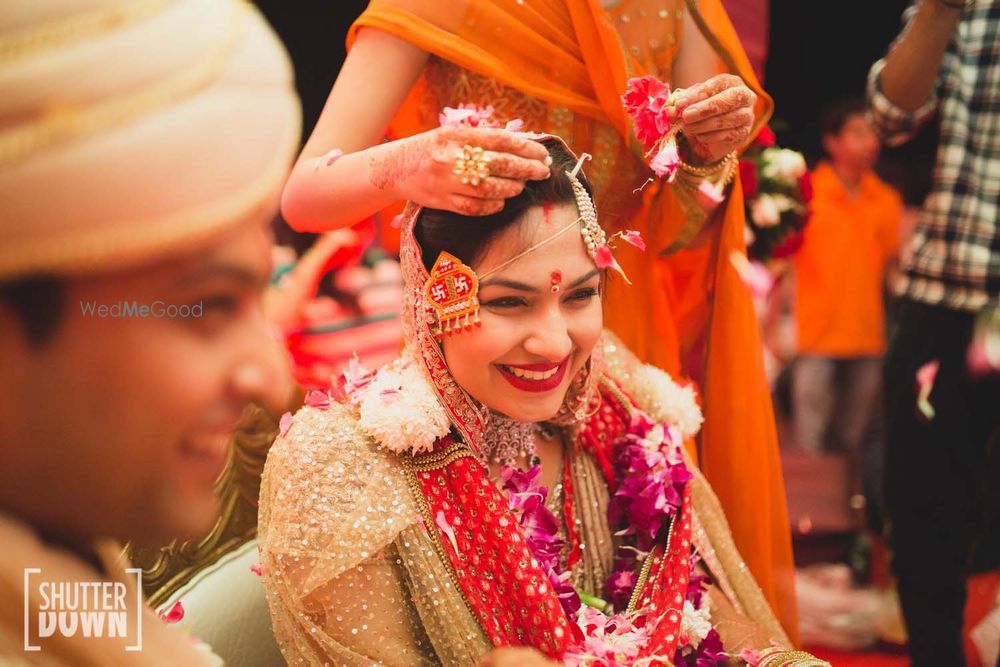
{"x": 717, "y": 112}
{"x": 325, "y": 191}
{"x": 913, "y": 63}
{"x": 901, "y": 86}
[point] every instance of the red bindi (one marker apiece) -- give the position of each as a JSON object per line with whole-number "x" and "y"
{"x": 555, "y": 278}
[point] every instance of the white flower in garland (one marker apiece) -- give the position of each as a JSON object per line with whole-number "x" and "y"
{"x": 696, "y": 623}
{"x": 673, "y": 403}
{"x": 400, "y": 410}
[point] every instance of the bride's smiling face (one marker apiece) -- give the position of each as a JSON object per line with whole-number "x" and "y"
{"x": 534, "y": 339}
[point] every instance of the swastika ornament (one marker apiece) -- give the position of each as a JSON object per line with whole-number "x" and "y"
{"x": 453, "y": 293}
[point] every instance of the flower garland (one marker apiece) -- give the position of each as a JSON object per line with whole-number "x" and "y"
{"x": 777, "y": 189}
{"x": 650, "y": 485}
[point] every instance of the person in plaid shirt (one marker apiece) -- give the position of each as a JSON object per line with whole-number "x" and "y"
{"x": 939, "y": 475}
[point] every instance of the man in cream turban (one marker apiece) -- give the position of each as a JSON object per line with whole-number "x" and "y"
{"x": 143, "y": 146}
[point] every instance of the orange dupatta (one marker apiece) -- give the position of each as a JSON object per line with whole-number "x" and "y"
{"x": 568, "y": 54}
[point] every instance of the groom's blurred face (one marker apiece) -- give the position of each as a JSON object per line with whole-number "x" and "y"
{"x": 119, "y": 426}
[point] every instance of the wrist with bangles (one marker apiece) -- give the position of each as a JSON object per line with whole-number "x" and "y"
{"x": 713, "y": 171}
{"x": 719, "y": 174}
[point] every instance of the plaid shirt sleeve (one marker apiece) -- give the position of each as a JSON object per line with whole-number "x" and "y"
{"x": 893, "y": 124}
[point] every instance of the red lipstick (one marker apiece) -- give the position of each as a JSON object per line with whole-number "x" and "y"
{"x": 531, "y": 384}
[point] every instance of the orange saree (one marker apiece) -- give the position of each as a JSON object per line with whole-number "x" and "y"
{"x": 560, "y": 65}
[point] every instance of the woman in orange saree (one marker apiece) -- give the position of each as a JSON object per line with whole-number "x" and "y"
{"x": 561, "y": 66}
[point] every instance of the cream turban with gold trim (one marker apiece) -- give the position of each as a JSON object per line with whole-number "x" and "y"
{"x": 134, "y": 130}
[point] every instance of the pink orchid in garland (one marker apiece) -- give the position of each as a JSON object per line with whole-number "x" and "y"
{"x": 650, "y": 103}
{"x": 650, "y": 486}
{"x": 540, "y": 529}
{"x": 609, "y": 640}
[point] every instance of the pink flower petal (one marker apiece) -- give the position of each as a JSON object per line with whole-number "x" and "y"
{"x": 926, "y": 375}
{"x": 516, "y": 125}
{"x": 442, "y": 523}
{"x": 174, "y": 615}
{"x": 603, "y": 257}
{"x": 455, "y": 117}
{"x": 666, "y": 161}
{"x": 754, "y": 274}
{"x": 333, "y": 156}
{"x": 605, "y": 260}
{"x": 257, "y": 569}
{"x": 397, "y": 221}
{"x": 635, "y": 238}
{"x": 710, "y": 194}
{"x": 317, "y": 399}
{"x": 389, "y": 395}
{"x": 751, "y": 656}
{"x": 285, "y": 423}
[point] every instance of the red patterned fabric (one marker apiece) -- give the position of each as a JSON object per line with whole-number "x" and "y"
{"x": 667, "y": 583}
{"x": 503, "y": 584}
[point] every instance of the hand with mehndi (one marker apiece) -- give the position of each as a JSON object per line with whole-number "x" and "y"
{"x": 515, "y": 657}
{"x": 716, "y": 117}
{"x": 422, "y": 168}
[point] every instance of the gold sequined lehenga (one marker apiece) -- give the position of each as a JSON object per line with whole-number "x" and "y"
{"x": 358, "y": 570}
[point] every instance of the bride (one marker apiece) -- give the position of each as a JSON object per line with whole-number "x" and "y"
{"x": 514, "y": 479}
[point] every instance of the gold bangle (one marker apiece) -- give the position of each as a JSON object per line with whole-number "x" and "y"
{"x": 724, "y": 171}
{"x": 709, "y": 170}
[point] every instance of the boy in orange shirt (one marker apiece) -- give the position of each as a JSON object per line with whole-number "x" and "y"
{"x": 852, "y": 236}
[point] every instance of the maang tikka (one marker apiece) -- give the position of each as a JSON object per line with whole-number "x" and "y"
{"x": 453, "y": 292}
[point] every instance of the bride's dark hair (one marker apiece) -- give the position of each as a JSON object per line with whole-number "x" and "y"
{"x": 466, "y": 237}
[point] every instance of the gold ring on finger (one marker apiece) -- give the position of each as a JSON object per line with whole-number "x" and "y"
{"x": 472, "y": 165}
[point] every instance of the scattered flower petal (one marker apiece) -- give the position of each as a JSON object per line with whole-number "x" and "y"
{"x": 635, "y": 238}
{"x": 516, "y": 125}
{"x": 173, "y": 615}
{"x": 285, "y": 423}
{"x": 317, "y": 399}
{"x": 605, "y": 260}
{"x": 257, "y": 569}
{"x": 328, "y": 158}
{"x": 926, "y": 375}
{"x": 710, "y": 194}
{"x": 333, "y": 156}
{"x": 468, "y": 115}
{"x": 442, "y": 523}
{"x": 754, "y": 274}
